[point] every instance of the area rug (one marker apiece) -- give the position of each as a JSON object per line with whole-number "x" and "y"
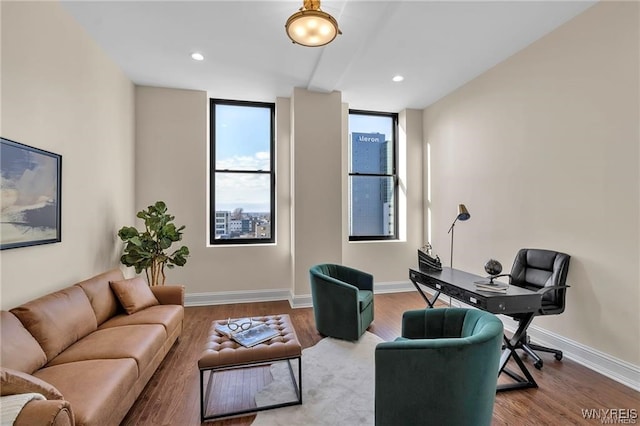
{"x": 337, "y": 386}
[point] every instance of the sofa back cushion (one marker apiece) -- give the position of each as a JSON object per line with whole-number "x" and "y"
{"x": 58, "y": 320}
{"x": 19, "y": 350}
{"x": 103, "y": 301}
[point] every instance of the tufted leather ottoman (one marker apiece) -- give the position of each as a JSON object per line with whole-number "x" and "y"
{"x": 222, "y": 353}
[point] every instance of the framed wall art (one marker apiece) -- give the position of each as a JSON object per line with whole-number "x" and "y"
{"x": 30, "y": 189}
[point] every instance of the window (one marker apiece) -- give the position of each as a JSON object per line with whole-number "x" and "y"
{"x": 373, "y": 183}
{"x": 243, "y": 177}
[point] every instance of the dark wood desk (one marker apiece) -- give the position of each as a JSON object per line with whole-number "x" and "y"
{"x": 461, "y": 286}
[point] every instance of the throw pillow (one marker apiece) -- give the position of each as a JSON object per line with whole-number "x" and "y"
{"x": 134, "y": 294}
{"x": 15, "y": 382}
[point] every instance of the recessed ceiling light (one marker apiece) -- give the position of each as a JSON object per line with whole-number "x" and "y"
{"x": 397, "y": 78}
{"x": 197, "y": 56}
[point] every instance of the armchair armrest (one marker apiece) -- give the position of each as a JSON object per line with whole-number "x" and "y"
{"x": 336, "y": 295}
{"x": 547, "y": 289}
{"x": 169, "y": 294}
{"x": 46, "y": 412}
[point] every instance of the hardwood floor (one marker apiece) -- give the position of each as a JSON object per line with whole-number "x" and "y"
{"x": 565, "y": 388}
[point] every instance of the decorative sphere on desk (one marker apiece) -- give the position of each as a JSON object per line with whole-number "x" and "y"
{"x": 493, "y": 267}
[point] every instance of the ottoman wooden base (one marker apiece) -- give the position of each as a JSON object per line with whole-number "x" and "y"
{"x": 222, "y": 354}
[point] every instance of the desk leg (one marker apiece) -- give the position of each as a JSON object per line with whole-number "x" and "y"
{"x": 510, "y": 351}
{"x": 431, "y": 302}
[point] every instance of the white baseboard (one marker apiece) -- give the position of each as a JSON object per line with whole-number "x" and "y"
{"x": 616, "y": 369}
{"x": 296, "y": 301}
{"x": 230, "y": 297}
{"x": 605, "y": 364}
{"x": 393, "y": 287}
{"x": 304, "y": 301}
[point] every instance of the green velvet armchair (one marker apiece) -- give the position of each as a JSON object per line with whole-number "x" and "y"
{"x": 442, "y": 371}
{"x": 342, "y": 300}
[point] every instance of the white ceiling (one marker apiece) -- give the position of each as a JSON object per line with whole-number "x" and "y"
{"x": 436, "y": 46}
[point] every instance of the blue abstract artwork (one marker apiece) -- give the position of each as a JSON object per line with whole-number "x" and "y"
{"x": 30, "y": 189}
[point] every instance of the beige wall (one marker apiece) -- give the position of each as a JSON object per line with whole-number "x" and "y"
{"x": 171, "y": 155}
{"x": 61, "y": 93}
{"x": 544, "y": 151}
{"x": 316, "y": 182}
{"x": 171, "y": 165}
{"x": 312, "y": 198}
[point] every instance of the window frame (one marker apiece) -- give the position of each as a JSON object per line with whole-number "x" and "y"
{"x": 393, "y": 175}
{"x": 213, "y": 171}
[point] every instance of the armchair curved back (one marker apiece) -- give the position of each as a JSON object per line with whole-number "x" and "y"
{"x": 342, "y": 300}
{"x": 443, "y": 370}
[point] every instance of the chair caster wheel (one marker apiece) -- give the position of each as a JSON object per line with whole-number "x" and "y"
{"x": 538, "y": 365}
{"x": 558, "y": 357}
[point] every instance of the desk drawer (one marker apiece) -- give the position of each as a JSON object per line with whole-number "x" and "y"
{"x": 466, "y": 296}
{"x": 516, "y": 300}
{"x": 450, "y": 290}
{"x": 426, "y": 280}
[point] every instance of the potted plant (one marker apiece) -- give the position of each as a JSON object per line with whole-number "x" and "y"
{"x": 147, "y": 250}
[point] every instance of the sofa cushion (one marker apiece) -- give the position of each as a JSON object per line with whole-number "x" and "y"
{"x": 134, "y": 294}
{"x": 170, "y": 316}
{"x": 13, "y": 382}
{"x": 103, "y": 301}
{"x": 19, "y": 350}
{"x": 140, "y": 342}
{"x": 58, "y": 320}
{"x": 94, "y": 387}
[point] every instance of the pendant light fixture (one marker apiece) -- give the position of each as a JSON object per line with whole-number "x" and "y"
{"x": 310, "y": 26}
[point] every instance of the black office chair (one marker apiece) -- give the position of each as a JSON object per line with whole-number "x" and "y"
{"x": 544, "y": 271}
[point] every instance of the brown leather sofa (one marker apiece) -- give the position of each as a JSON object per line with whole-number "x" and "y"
{"x": 84, "y": 352}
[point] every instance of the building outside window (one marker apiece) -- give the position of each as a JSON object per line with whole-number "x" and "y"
{"x": 242, "y": 187}
{"x": 372, "y": 175}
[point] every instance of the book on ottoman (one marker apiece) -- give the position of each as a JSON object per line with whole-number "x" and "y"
{"x": 255, "y": 335}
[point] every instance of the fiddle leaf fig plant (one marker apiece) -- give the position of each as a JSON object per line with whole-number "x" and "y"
{"x": 148, "y": 250}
